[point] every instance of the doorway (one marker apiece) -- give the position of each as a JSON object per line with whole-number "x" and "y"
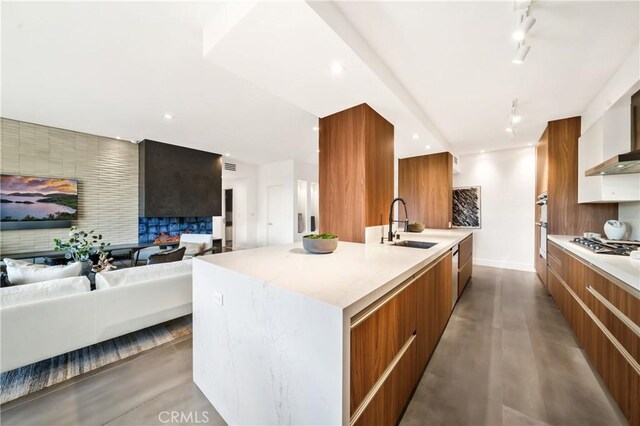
{"x": 275, "y": 215}
{"x": 228, "y": 218}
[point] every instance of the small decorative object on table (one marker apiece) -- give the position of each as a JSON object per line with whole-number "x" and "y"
{"x": 416, "y": 227}
{"x": 320, "y": 243}
{"x": 80, "y": 246}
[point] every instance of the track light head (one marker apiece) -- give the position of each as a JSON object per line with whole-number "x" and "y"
{"x": 521, "y": 54}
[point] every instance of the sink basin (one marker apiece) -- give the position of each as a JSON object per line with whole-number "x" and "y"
{"x": 415, "y": 244}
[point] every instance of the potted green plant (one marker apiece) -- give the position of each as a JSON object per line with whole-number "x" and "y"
{"x": 320, "y": 243}
{"x": 81, "y": 246}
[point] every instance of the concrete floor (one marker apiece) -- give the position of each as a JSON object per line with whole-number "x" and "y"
{"x": 506, "y": 357}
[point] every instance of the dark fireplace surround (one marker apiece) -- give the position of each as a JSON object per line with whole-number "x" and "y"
{"x": 180, "y": 190}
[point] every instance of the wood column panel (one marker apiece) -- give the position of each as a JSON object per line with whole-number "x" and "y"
{"x": 426, "y": 185}
{"x": 356, "y": 171}
{"x": 565, "y": 215}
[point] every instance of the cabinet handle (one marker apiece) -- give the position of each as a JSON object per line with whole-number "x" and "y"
{"x": 615, "y": 311}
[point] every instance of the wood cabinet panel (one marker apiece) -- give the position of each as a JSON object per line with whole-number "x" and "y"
{"x": 377, "y": 340}
{"x": 355, "y": 171}
{"x": 565, "y": 215}
{"x": 542, "y": 154}
{"x": 465, "y": 249}
{"x": 433, "y": 308}
{"x": 593, "y": 307}
{"x": 426, "y": 185}
{"x": 463, "y": 276}
{"x": 388, "y": 403}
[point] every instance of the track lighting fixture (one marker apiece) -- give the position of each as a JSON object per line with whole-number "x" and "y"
{"x": 526, "y": 22}
{"x": 521, "y": 53}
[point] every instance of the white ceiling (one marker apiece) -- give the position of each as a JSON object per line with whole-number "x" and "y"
{"x": 439, "y": 69}
{"x": 455, "y": 59}
{"x": 113, "y": 69}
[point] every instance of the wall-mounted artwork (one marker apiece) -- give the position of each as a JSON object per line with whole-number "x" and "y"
{"x": 466, "y": 207}
{"x": 30, "y": 202}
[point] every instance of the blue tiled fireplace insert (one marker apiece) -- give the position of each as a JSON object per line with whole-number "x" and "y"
{"x": 153, "y": 228}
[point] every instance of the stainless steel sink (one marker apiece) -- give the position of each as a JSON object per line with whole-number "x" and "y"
{"x": 414, "y": 244}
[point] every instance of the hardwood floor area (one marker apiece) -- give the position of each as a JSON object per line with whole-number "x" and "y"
{"x": 507, "y": 357}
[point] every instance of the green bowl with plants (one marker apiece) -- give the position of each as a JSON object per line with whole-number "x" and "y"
{"x": 320, "y": 243}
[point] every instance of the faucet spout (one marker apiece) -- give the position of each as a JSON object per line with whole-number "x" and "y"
{"x": 391, "y": 220}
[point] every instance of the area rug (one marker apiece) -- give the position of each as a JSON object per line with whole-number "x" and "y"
{"x": 34, "y": 377}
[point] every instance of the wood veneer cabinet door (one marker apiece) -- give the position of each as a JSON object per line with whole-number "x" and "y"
{"x": 388, "y": 403}
{"x": 377, "y": 339}
{"x": 426, "y": 185}
{"x": 433, "y": 291}
{"x": 355, "y": 172}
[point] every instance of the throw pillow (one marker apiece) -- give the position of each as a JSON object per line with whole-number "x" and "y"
{"x": 192, "y": 249}
{"x": 20, "y": 294}
{"x": 21, "y": 272}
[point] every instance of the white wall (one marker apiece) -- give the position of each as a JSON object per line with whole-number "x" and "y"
{"x": 629, "y": 213}
{"x": 507, "y": 180}
{"x": 244, "y": 182}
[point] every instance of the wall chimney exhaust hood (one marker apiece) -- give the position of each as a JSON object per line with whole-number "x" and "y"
{"x": 628, "y": 162}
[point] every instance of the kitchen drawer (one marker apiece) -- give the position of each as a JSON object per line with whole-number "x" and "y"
{"x": 556, "y": 266}
{"x": 464, "y": 275}
{"x": 387, "y": 403}
{"x": 377, "y": 335}
{"x": 556, "y": 251}
{"x": 465, "y": 249}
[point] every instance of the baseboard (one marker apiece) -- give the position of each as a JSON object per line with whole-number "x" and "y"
{"x": 504, "y": 265}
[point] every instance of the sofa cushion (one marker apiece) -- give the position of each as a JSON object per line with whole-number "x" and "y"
{"x": 141, "y": 274}
{"x": 21, "y": 272}
{"x": 26, "y": 293}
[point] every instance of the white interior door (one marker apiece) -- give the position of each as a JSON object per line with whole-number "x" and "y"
{"x": 276, "y": 215}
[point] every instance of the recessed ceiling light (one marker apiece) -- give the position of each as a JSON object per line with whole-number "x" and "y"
{"x": 168, "y": 116}
{"x": 118, "y": 137}
{"x": 337, "y": 68}
{"x": 316, "y": 128}
{"x": 602, "y": 173}
{"x": 515, "y": 119}
{"x": 482, "y": 151}
{"x": 509, "y": 129}
{"x": 427, "y": 147}
{"x": 227, "y": 155}
{"x": 529, "y": 144}
{"x": 415, "y": 136}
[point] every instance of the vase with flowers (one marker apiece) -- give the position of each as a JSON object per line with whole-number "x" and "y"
{"x": 80, "y": 246}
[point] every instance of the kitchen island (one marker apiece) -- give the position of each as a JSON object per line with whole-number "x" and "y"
{"x": 286, "y": 337}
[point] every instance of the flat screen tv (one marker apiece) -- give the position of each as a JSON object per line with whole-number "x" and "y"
{"x": 28, "y": 202}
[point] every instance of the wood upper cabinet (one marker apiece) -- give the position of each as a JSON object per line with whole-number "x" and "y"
{"x": 605, "y": 317}
{"x": 356, "y": 172}
{"x": 426, "y": 185}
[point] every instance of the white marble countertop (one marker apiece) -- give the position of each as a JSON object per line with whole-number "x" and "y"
{"x": 623, "y": 268}
{"x": 350, "y": 278}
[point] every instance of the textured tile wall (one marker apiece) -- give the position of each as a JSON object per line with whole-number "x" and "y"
{"x": 107, "y": 173}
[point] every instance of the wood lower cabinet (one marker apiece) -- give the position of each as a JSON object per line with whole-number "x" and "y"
{"x": 433, "y": 308}
{"x": 605, "y": 318}
{"x": 392, "y": 341}
{"x": 465, "y": 263}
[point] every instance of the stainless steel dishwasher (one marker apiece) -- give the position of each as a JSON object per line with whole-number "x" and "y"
{"x": 454, "y": 275}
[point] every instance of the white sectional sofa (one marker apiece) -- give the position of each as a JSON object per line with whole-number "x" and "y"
{"x": 42, "y": 320}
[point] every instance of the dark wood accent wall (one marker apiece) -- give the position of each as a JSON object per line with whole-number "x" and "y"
{"x": 175, "y": 181}
{"x": 566, "y": 216}
{"x": 356, "y": 172}
{"x": 426, "y": 185}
